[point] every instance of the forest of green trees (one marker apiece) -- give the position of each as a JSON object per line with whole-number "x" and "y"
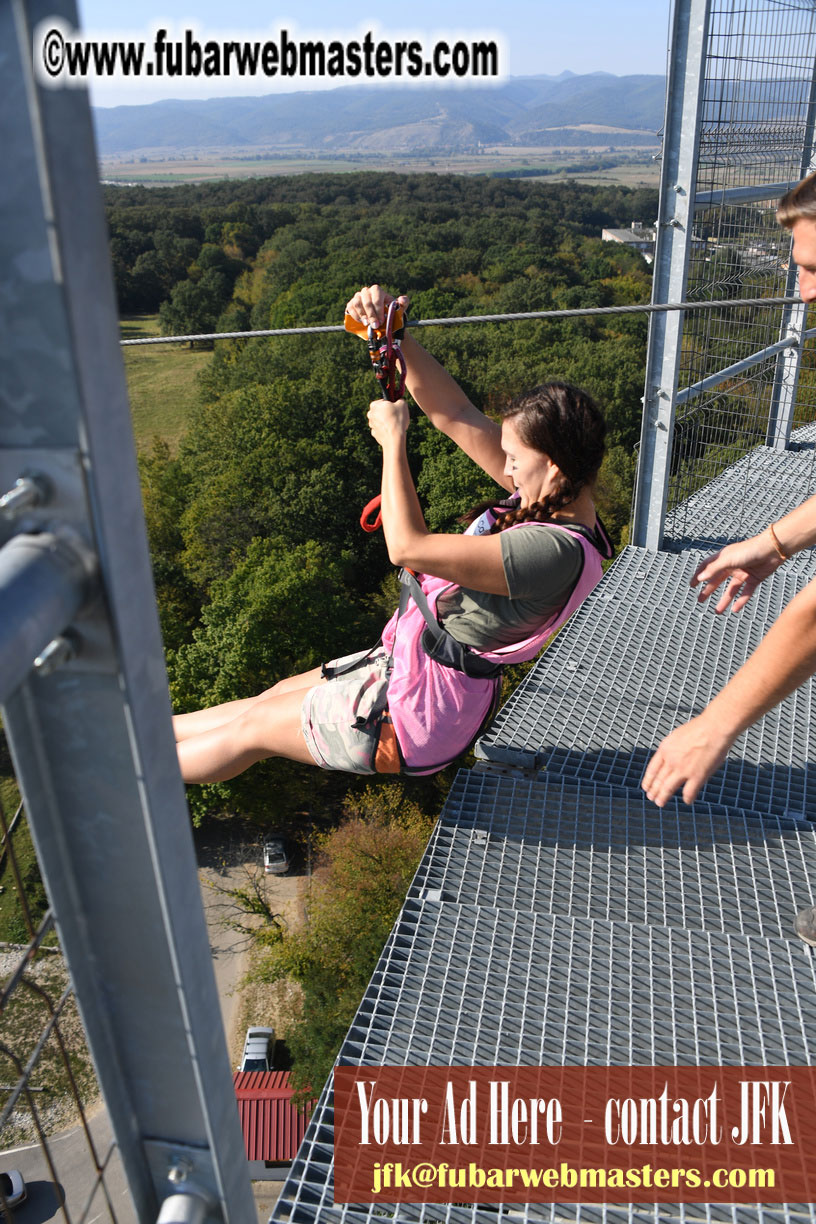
{"x": 260, "y": 565}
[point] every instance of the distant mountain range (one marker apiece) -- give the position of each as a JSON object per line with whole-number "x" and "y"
{"x": 554, "y": 111}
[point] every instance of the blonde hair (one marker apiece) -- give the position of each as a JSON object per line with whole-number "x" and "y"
{"x": 798, "y": 204}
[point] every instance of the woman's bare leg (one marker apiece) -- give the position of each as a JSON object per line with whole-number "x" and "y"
{"x": 195, "y": 723}
{"x": 267, "y": 728}
{"x": 187, "y": 725}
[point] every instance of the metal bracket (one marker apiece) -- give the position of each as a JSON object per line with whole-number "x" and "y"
{"x": 192, "y": 1191}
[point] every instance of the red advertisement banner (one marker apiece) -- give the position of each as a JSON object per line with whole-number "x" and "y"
{"x": 575, "y": 1134}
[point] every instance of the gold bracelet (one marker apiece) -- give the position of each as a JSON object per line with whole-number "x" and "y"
{"x": 784, "y": 556}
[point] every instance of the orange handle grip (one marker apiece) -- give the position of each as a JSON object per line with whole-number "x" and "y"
{"x": 368, "y": 524}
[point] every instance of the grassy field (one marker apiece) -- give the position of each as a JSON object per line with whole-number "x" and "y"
{"x": 22, "y": 1024}
{"x": 161, "y": 380}
{"x": 635, "y": 175}
{"x": 28, "y": 1009}
{"x": 636, "y": 167}
{"x": 13, "y": 926}
{"x": 9, "y": 794}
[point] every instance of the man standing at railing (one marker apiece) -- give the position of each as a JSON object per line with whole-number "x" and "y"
{"x": 786, "y": 657}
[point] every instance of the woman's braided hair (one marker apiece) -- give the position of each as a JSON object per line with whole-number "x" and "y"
{"x": 564, "y": 423}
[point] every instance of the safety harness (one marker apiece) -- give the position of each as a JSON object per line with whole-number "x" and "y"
{"x": 454, "y": 684}
{"x": 436, "y": 641}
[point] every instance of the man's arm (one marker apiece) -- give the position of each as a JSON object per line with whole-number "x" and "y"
{"x": 784, "y": 659}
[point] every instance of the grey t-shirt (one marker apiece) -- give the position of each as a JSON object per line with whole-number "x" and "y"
{"x": 541, "y": 565}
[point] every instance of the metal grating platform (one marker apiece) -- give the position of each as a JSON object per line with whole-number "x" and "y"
{"x": 579, "y": 992}
{"x": 569, "y": 992}
{"x": 636, "y": 660}
{"x": 560, "y": 846}
{"x": 559, "y": 918}
{"x": 759, "y": 489}
{"x": 307, "y": 1196}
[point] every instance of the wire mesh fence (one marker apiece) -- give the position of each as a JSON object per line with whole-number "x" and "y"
{"x": 756, "y": 128}
{"x": 718, "y": 428}
{"x": 55, "y": 1144}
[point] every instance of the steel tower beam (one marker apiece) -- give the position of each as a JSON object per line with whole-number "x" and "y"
{"x": 90, "y": 733}
{"x": 678, "y": 175}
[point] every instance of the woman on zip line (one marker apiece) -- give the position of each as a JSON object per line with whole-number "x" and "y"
{"x": 493, "y": 595}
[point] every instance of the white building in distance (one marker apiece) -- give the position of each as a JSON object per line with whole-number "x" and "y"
{"x": 639, "y": 236}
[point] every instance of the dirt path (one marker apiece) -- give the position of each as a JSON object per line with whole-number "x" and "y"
{"x": 230, "y": 865}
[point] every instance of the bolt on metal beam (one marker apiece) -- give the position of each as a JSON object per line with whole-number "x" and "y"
{"x": 44, "y": 581}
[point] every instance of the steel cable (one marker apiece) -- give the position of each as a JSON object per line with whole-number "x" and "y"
{"x": 585, "y": 311}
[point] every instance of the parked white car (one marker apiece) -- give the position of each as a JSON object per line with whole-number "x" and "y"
{"x": 13, "y": 1186}
{"x": 258, "y": 1045}
{"x": 275, "y": 860}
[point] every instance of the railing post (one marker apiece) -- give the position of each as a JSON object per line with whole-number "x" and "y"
{"x": 674, "y": 226}
{"x": 786, "y": 372}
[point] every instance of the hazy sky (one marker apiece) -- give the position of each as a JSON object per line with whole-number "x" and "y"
{"x": 537, "y": 36}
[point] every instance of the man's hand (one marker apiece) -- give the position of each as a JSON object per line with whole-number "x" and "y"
{"x": 745, "y": 564}
{"x": 686, "y": 758}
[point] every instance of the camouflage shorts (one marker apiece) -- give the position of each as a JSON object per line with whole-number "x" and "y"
{"x": 336, "y": 716}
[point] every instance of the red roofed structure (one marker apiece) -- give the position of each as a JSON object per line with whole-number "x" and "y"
{"x": 272, "y": 1126}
